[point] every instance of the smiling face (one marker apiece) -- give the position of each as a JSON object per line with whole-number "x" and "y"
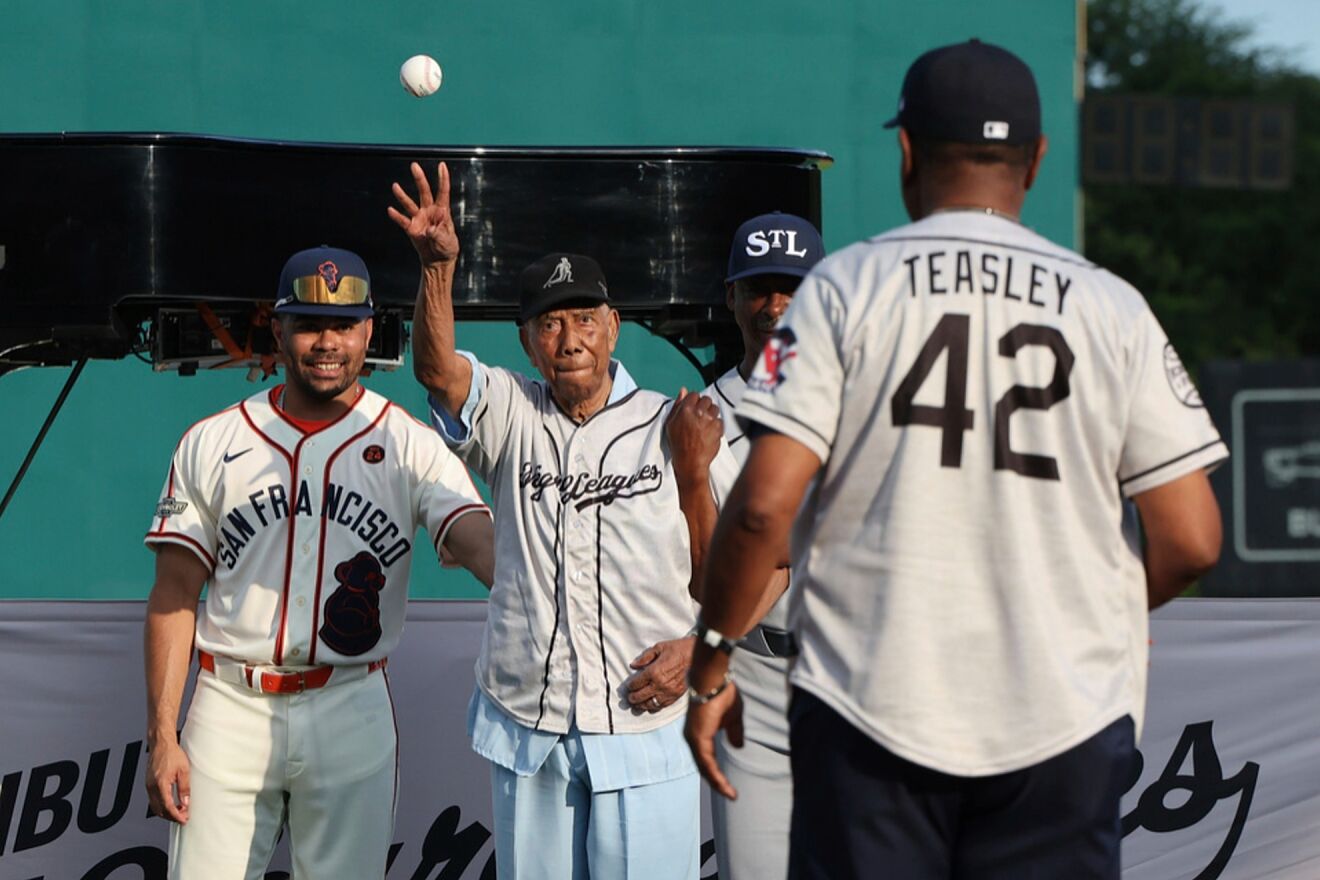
{"x": 323, "y": 356}
{"x": 758, "y": 303}
{"x": 571, "y": 349}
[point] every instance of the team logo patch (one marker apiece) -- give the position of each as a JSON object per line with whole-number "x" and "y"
{"x": 170, "y": 506}
{"x": 352, "y": 613}
{"x": 330, "y": 272}
{"x": 373, "y": 454}
{"x": 1179, "y": 380}
{"x": 563, "y": 272}
{"x": 779, "y": 350}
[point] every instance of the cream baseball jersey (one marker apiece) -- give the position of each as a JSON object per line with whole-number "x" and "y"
{"x": 308, "y": 537}
{"x": 982, "y": 401}
{"x": 592, "y": 555}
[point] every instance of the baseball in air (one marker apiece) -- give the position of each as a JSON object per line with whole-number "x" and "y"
{"x": 420, "y": 75}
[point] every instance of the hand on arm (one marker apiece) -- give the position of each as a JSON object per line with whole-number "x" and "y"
{"x": 661, "y": 676}
{"x": 1183, "y": 533}
{"x": 168, "y": 640}
{"x": 744, "y": 555}
{"x": 429, "y": 225}
{"x": 694, "y": 429}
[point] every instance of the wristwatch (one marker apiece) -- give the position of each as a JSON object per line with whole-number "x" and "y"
{"x": 714, "y": 638}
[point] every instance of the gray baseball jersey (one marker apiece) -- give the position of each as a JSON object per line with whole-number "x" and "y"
{"x": 762, "y": 680}
{"x": 982, "y": 400}
{"x": 752, "y": 832}
{"x": 592, "y": 556}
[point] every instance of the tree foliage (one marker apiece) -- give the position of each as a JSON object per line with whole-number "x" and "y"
{"x": 1230, "y": 273}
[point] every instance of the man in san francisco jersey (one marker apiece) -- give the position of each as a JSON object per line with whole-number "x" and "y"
{"x": 767, "y": 260}
{"x": 975, "y": 403}
{"x": 577, "y": 705}
{"x": 299, "y": 507}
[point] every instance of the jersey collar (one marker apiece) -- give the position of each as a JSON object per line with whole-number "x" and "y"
{"x": 622, "y": 383}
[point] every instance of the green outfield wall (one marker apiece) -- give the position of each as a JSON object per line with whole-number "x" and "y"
{"x": 590, "y": 72}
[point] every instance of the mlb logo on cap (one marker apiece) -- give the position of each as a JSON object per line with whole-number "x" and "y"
{"x": 778, "y": 244}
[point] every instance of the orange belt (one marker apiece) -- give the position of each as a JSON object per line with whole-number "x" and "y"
{"x": 273, "y": 682}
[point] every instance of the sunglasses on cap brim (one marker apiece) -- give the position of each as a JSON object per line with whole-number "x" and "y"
{"x": 313, "y": 290}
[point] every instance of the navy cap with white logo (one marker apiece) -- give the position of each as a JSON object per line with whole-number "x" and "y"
{"x": 969, "y": 93}
{"x": 560, "y": 280}
{"x": 325, "y": 281}
{"x": 778, "y": 244}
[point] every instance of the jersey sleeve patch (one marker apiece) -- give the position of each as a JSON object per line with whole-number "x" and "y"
{"x": 780, "y": 348}
{"x": 1180, "y": 381}
{"x": 170, "y": 506}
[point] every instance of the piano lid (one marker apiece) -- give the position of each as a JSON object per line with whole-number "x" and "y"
{"x": 98, "y": 231}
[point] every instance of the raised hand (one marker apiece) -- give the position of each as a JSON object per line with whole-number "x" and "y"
{"x": 427, "y": 220}
{"x": 694, "y": 428}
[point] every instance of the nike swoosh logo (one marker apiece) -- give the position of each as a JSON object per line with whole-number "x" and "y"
{"x": 229, "y": 458}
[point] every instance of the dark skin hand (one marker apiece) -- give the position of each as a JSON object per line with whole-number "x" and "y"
{"x": 694, "y": 429}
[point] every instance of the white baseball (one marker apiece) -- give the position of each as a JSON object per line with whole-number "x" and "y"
{"x": 420, "y": 75}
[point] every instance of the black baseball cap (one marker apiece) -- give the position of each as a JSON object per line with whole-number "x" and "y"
{"x": 557, "y": 280}
{"x": 774, "y": 244}
{"x": 325, "y": 281}
{"x": 970, "y": 93}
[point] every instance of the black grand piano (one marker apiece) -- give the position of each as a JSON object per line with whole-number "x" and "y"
{"x": 168, "y": 247}
{"x": 118, "y": 244}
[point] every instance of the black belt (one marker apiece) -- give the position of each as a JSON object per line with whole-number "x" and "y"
{"x": 770, "y": 642}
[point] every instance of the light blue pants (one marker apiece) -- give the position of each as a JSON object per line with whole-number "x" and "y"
{"x": 552, "y": 826}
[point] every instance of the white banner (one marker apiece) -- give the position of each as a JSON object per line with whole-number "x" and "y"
{"x": 1230, "y": 784}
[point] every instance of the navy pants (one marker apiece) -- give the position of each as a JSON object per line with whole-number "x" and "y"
{"x": 860, "y": 811}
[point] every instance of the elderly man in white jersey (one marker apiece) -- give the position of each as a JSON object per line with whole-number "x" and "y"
{"x": 768, "y": 257}
{"x": 579, "y": 683}
{"x": 975, "y": 404}
{"x": 299, "y": 507}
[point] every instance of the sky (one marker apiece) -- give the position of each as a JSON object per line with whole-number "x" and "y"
{"x": 1288, "y": 24}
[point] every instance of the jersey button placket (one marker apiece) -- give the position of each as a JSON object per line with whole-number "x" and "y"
{"x": 307, "y": 538}
{"x": 582, "y": 594}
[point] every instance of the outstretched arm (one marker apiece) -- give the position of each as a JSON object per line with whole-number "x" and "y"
{"x": 171, "y": 622}
{"x": 429, "y": 225}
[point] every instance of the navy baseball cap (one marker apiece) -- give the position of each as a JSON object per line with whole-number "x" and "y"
{"x": 325, "y": 281}
{"x": 970, "y": 93}
{"x": 558, "y": 280}
{"x": 774, "y": 244}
